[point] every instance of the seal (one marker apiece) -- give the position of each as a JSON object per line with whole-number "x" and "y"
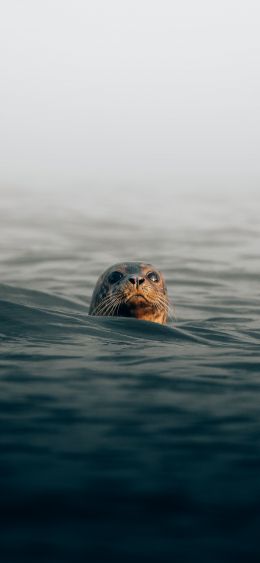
{"x": 131, "y": 289}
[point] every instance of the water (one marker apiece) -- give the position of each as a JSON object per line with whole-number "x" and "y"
{"x": 123, "y": 440}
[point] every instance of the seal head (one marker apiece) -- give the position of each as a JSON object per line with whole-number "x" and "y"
{"x": 131, "y": 289}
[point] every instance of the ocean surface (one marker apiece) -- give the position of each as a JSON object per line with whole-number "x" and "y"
{"x": 123, "y": 440}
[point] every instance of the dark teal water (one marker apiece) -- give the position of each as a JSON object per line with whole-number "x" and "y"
{"x": 123, "y": 440}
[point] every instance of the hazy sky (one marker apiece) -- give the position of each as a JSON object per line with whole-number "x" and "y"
{"x": 129, "y": 93}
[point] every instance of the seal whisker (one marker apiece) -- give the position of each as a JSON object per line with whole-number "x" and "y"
{"x": 165, "y": 306}
{"x": 104, "y": 304}
{"x": 105, "y": 312}
{"x": 170, "y": 311}
{"x": 109, "y": 307}
{"x": 98, "y": 308}
{"x": 111, "y": 310}
{"x": 103, "y": 307}
{"x": 105, "y": 299}
{"x": 116, "y": 308}
{"x": 114, "y": 303}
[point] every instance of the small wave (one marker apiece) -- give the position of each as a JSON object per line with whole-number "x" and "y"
{"x": 42, "y": 316}
{"x": 39, "y": 315}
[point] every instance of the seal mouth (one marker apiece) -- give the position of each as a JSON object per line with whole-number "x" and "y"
{"x": 137, "y": 297}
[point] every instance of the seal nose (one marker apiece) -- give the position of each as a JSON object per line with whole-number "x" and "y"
{"x": 136, "y": 280}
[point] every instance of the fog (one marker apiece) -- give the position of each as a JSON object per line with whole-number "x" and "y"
{"x": 140, "y": 95}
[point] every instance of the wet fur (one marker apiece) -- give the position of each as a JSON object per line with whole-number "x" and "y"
{"x": 147, "y": 302}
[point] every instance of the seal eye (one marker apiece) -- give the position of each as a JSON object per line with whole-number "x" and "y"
{"x": 153, "y": 276}
{"x": 115, "y": 277}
